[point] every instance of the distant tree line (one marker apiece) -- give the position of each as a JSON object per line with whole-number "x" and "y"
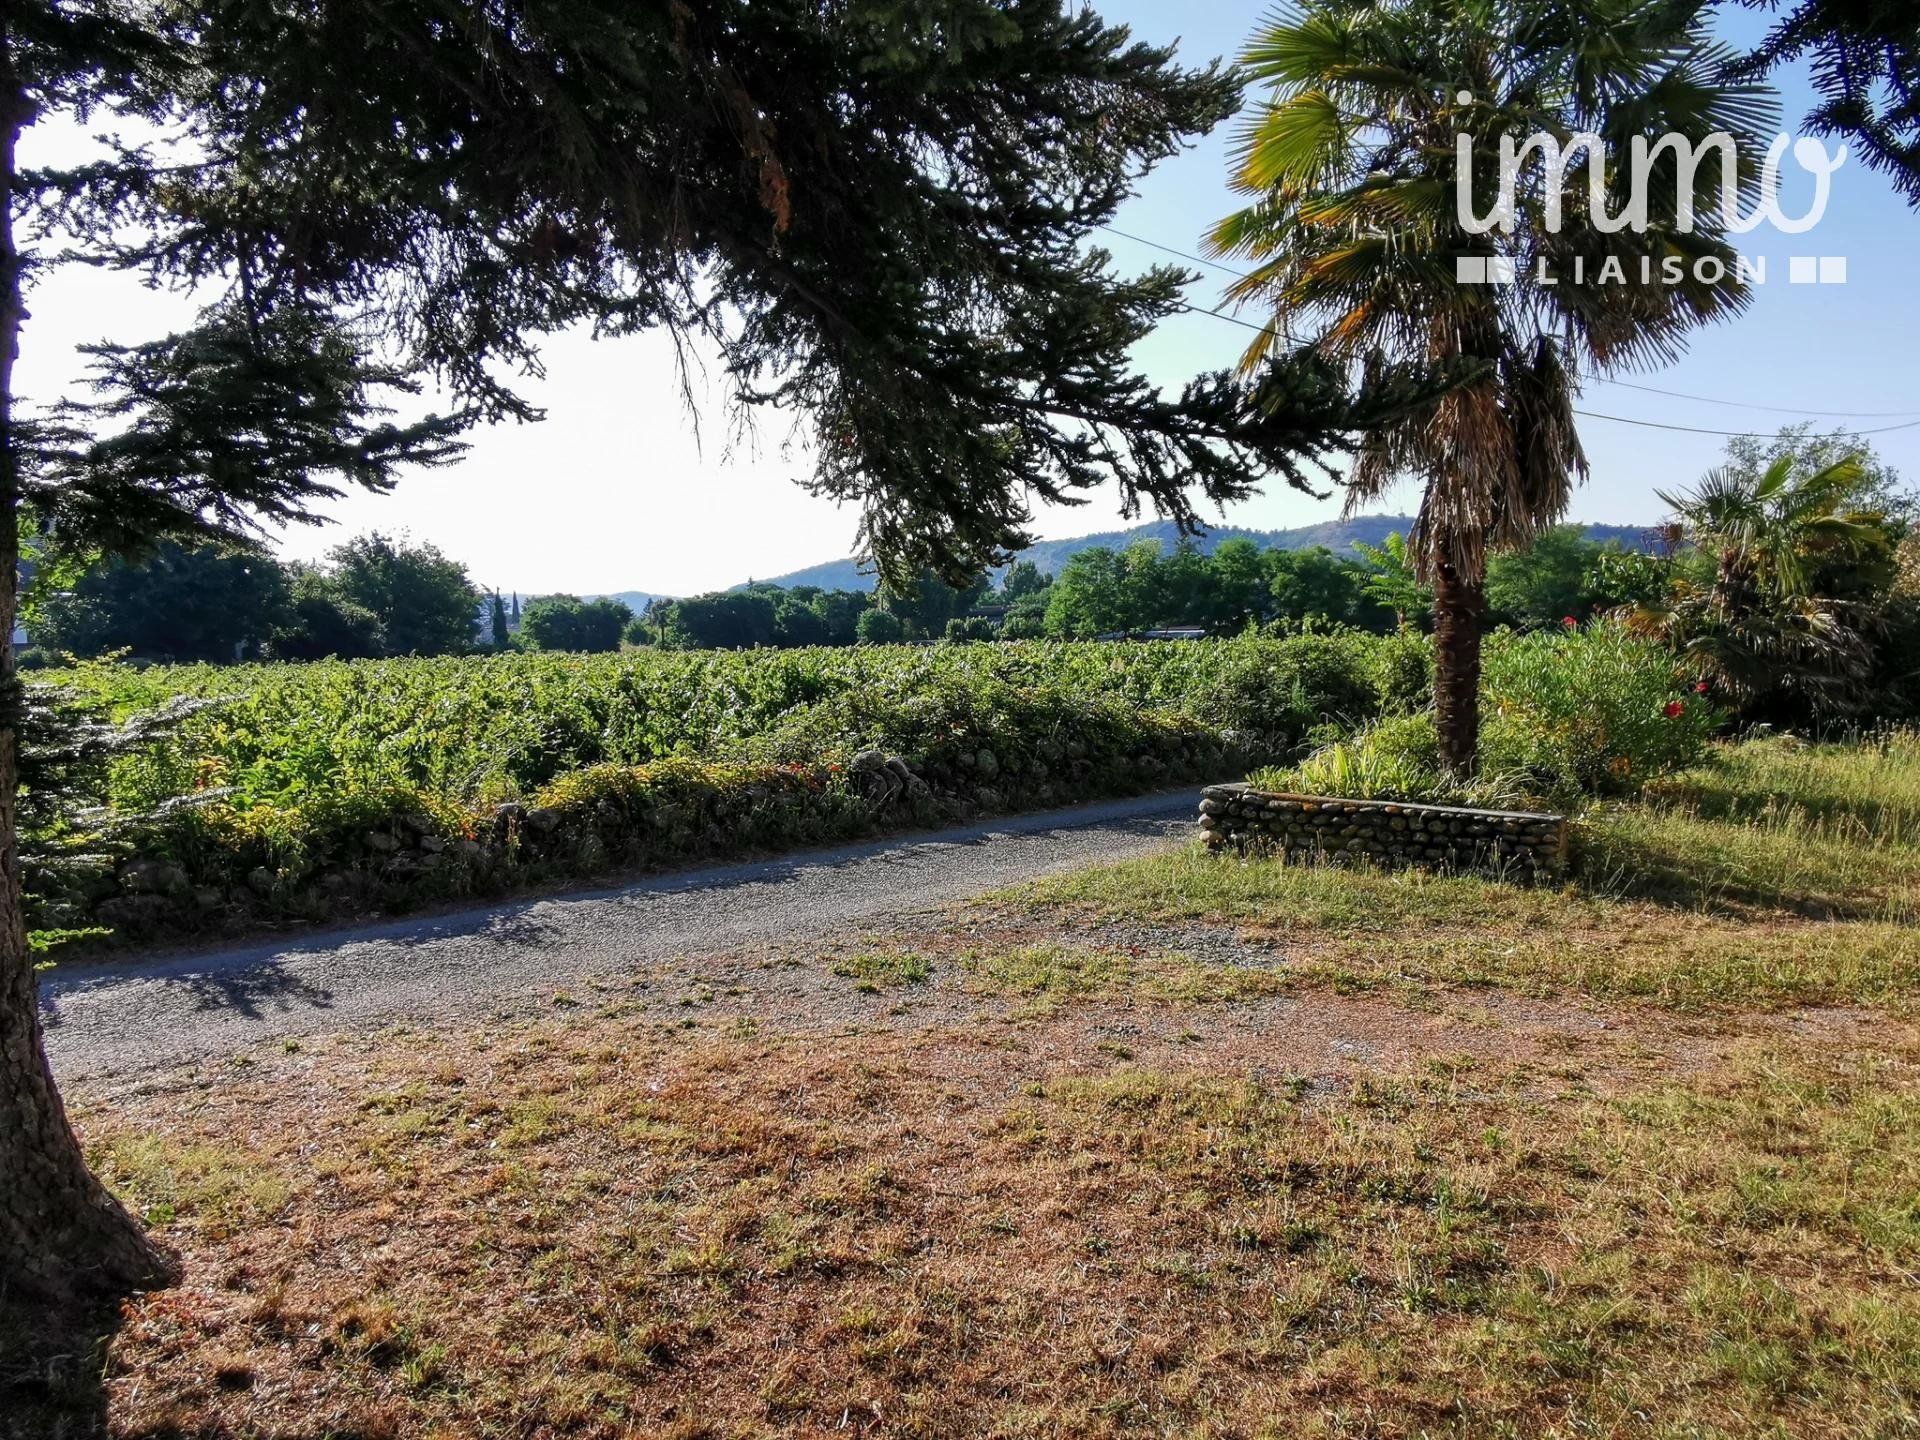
{"x": 1790, "y": 574}
{"x": 377, "y": 596}
{"x": 1145, "y": 588}
{"x": 773, "y": 615}
{"x": 374, "y": 595}
{"x": 566, "y": 622}
{"x": 1104, "y": 592}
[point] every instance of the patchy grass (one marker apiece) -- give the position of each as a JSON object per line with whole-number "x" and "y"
{"x": 1532, "y": 1211}
{"x": 1805, "y": 892}
{"x": 969, "y": 1233}
{"x": 1359, "y": 927}
{"x": 1057, "y": 971}
{"x": 1862, "y": 789}
{"x": 875, "y": 970}
{"x": 1050, "y": 974}
{"x": 1681, "y": 859}
{"x": 220, "y": 1181}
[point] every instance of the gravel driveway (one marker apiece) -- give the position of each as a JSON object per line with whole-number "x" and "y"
{"x": 113, "y": 1018}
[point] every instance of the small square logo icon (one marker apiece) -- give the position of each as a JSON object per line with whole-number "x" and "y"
{"x": 1803, "y": 270}
{"x": 1833, "y": 269}
{"x": 1483, "y": 269}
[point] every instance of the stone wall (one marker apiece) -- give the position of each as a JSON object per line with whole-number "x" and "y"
{"x": 194, "y": 874}
{"x": 1384, "y": 832}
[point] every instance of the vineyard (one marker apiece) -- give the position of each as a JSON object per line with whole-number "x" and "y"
{"x": 490, "y": 729}
{"x": 312, "y": 790}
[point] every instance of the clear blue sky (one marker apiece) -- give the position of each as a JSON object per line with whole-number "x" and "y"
{"x": 620, "y": 489}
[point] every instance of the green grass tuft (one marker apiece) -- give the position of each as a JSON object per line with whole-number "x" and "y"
{"x": 873, "y": 970}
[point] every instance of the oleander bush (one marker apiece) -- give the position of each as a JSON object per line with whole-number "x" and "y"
{"x": 1565, "y": 716}
{"x": 1589, "y": 711}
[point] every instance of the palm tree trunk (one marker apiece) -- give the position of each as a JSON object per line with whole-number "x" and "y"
{"x": 62, "y": 1236}
{"x": 1459, "y": 610}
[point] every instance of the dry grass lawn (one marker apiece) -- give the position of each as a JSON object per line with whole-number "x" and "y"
{"x": 1028, "y": 1227}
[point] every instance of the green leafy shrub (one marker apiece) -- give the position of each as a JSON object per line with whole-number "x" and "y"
{"x": 971, "y": 628}
{"x": 1398, "y": 758}
{"x": 317, "y": 788}
{"x": 492, "y": 728}
{"x": 680, "y": 809}
{"x": 1402, "y": 667}
{"x": 1395, "y": 758}
{"x": 1591, "y": 711}
{"x": 1273, "y": 692}
{"x": 1023, "y": 624}
{"x": 1563, "y": 716}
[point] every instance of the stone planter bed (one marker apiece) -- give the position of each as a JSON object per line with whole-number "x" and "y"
{"x": 1382, "y": 832}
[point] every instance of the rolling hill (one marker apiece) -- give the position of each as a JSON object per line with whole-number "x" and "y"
{"x": 1051, "y": 555}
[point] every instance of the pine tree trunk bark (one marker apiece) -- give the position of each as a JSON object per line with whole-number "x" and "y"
{"x": 62, "y": 1236}
{"x": 1459, "y": 613}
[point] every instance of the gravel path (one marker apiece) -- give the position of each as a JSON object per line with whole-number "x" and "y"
{"x": 114, "y": 1018}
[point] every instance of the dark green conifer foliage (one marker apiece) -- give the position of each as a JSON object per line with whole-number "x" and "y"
{"x": 1864, "y": 56}
{"x": 878, "y": 214}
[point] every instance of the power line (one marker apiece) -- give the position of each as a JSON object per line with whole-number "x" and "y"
{"x": 1285, "y": 336}
{"x": 1183, "y": 254}
{"x": 1603, "y": 379}
{"x": 1730, "y": 434}
{"x": 1773, "y": 409}
{"x": 1588, "y": 414}
{"x": 1222, "y": 315}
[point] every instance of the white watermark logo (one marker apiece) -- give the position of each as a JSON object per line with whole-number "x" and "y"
{"x": 1556, "y": 159}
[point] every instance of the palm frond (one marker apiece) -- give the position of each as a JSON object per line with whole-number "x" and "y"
{"x": 1294, "y": 142}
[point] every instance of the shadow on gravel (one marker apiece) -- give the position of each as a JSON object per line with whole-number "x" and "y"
{"x": 253, "y": 992}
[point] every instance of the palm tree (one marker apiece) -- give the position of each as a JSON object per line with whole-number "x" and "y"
{"x": 1766, "y": 530}
{"x": 1351, "y": 162}
{"x": 1762, "y": 626}
{"x": 1395, "y": 581}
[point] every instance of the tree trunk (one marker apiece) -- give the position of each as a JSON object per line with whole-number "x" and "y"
{"x": 62, "y": 1236}
{"x": 1459, "y": 610}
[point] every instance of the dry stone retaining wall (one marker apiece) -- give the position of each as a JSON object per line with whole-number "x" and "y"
{"x": 1384, "y": 832}
{"x": 188, "y": 876}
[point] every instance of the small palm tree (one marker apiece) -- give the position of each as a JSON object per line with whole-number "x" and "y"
{"x": 1761, "y": 627}
{"x": 1395, "y": 581}
{"x": 1351, "y": 165}
{"x": 1767, "y": 530}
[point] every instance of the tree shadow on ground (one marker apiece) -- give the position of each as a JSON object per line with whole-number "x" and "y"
{"x": 1678, "y": 872}
{"x": 53, "y": 1363}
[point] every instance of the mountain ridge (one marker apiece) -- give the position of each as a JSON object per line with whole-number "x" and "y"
{"x": 1338, "y": 536}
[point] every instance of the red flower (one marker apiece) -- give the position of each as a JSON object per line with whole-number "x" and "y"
{"x": 1700, "y": 688}
{"x": 1675, "y": 709}
{"x": 1571, "y": 623}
